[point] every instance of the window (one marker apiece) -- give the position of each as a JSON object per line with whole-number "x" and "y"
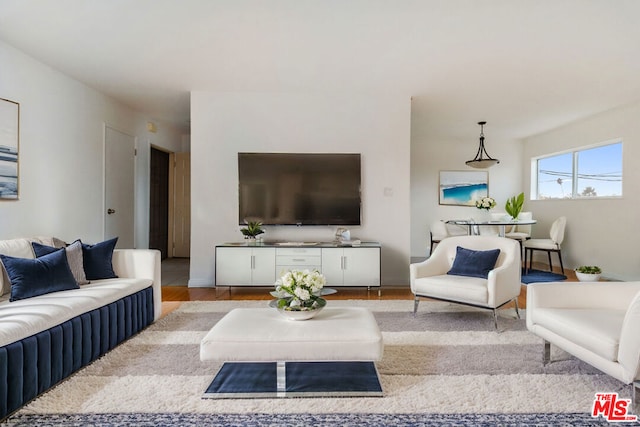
{"x": 585, "y": 173}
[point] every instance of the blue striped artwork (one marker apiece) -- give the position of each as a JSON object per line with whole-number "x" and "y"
{"x": 9, "y": 136}
{"x": 463, "y": 188}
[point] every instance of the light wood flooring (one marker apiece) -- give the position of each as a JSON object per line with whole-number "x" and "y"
{"x": 175, "y": 277}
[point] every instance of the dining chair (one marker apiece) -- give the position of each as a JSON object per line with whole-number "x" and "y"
{"x": 556, "y": 236}
{"x": 437, "y": 232}
{"x": 521, "y": 232}
{"x": 492, "y": 230}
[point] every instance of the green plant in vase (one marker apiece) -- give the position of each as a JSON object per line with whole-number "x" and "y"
{"x": 514, "y": 205}
{"x": 588, "y": 273}
{"x": 253, "y": 229}
{"x": 589, "y": 269}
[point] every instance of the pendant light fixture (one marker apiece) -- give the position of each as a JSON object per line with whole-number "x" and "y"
{"x": 482, "y": 160}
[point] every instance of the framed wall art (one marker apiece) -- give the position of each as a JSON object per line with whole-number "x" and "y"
{"x": 463, "y": 188}
{"x": 9, "y": 144}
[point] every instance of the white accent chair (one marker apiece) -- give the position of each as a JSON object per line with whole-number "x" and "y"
{"x": 556, "y": 236}
{"x": 429, "y": 279}
{"x": 597, "y": 322}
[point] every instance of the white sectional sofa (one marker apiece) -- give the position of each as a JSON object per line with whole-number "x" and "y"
{"x": 597, "y": 322}
{"x": 45, "y": 338}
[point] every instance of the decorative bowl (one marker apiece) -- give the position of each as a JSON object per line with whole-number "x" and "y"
{"x": 299, "y": 314}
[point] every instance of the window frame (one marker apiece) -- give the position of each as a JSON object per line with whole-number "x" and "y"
{"x": 533, "y": 194}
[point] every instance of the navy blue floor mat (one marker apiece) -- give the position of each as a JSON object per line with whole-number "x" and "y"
{"x": 536, "y": 276}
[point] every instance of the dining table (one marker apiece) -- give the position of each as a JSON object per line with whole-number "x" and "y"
{"x": 473, "y": 226}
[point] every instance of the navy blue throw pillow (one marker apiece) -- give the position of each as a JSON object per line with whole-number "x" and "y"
{"x": 97, "y": 260}
{"x": 474, "y": 263}
{"x": 39, "y": 276}
{"x": 74, "y": 258}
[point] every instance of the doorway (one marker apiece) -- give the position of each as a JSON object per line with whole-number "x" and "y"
{"x": 159, "y": 201}
{"x": 170, "y": 203}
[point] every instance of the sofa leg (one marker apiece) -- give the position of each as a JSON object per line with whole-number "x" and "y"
{"x": 515, "y": 300}
{"x": 546, "y": 354}
{"x": 495, "y": 318}
{"x": 636, "y": 396}
{"x": 416, "y": 301}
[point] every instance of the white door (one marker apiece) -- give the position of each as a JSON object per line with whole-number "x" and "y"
{"x": 182, "y": 205}
{"x": 119, "y": 186}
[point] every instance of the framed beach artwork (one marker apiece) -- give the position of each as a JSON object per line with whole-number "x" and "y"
{"x": 9, "y": 142}
{"x": 463, "y": 188}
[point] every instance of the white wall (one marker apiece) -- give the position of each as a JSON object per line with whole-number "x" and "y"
{"x": 223, "y": 124}
{"x": 431, "y": 154}
{"x": 61, "y": 153}
{"x": 599, "y": 232}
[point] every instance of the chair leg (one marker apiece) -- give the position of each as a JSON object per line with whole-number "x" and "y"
{"x": 515, "y": 300}
{"x": 546, "y": 354}
{"x": 560, "y": 257}
{"x": 416, "y": 301}
{"x": 550, "y": 266}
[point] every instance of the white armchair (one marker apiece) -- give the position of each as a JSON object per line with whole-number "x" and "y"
{"x": 429, "y": 278}
{"x": 597, "y": 322}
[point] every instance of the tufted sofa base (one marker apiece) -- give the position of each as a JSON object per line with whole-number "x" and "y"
{"x": 35, "y": 364}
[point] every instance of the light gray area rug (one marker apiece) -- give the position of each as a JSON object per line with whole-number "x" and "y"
{"x": 446, "y": 365}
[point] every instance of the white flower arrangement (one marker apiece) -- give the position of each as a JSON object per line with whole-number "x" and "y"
{"x": 300, "y": 290}
{"x": 486, "y": 203}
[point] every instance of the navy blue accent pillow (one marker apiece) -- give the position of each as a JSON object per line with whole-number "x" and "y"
{"x": 74, "y": 258}
{"x": 39, "y": 276}
{"x": 97, "y": 260}
{"x": 474, "y": 263}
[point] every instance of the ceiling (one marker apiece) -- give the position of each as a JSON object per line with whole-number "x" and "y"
{"x": 524, "y": 66}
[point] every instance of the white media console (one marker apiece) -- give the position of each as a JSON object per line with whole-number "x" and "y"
{"x": 243, "y": 264}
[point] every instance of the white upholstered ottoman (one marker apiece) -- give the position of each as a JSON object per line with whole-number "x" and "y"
{"x": 300, "y": 357}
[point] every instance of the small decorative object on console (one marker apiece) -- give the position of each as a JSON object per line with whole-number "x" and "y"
{"x": 486, "y": 203}
{"x": 300, "y": 291}
{"x": 253, "y": 229}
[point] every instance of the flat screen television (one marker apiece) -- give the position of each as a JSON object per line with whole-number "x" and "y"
{"x": 299, "y": 188}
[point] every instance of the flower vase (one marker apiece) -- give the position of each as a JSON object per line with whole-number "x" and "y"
{"x": 484, "y": 216}
{"x": 587, "y": 277}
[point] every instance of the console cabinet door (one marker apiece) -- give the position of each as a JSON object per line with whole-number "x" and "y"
{"x": 351, "y": 266}
{"x": 264, "y": 267}
{"x": 332, "y": 266}
{"x": 361, "y": 266}
{"x": 233, "y": 266}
